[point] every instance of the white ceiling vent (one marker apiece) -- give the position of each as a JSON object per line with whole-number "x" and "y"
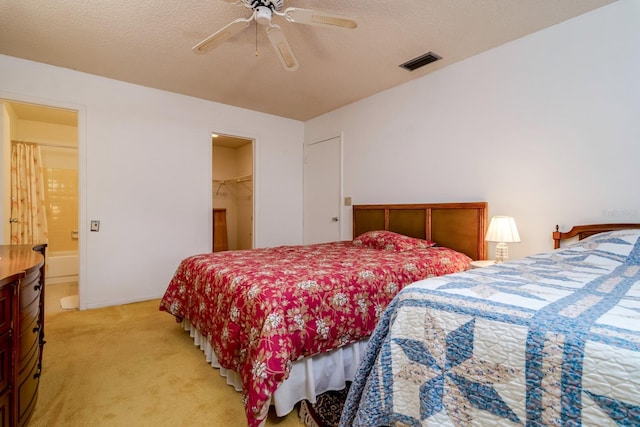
{"x": 420, "y": 61}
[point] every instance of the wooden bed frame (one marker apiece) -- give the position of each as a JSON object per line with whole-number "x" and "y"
{"x": 459, "y": 226}
{"x": 583, "y": 231}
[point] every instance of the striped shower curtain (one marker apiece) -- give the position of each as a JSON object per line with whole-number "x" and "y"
{"x": 28, "y": 216}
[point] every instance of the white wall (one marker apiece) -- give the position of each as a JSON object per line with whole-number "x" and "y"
{"x": 545, "y": 128}
{"x": 145, "y": 173}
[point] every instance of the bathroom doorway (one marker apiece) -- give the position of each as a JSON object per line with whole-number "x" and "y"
{"x": 54, "y": 133}
{"x": 232, "y": 170}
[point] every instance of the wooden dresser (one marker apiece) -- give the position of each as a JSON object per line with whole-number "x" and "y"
{"x": 21, "y": 330}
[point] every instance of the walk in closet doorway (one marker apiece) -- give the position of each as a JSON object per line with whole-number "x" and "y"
{"x": 232, "y": 216}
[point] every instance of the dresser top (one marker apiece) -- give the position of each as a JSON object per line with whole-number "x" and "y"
{"x": 16, "y": 260}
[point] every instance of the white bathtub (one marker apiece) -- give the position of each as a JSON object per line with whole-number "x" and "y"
{"x": 62, "y": 267}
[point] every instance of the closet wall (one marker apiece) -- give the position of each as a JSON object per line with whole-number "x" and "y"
{"x": 233, "y": 191}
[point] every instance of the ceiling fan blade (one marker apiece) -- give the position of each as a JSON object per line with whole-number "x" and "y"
{"x": 311, "y": 17}
{"x": 283, "y": 50}
{"x": 219, "y": 37}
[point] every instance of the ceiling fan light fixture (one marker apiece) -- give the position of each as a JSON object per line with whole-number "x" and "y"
{"x": 263, "y": 15}
{"x": 263, "y": 11}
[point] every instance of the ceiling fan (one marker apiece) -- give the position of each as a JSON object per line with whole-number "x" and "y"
{"x": 263, "y": 10}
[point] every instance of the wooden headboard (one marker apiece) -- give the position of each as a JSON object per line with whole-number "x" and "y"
{"x": 583, "y": 231}
{"x": 459, "y": 226}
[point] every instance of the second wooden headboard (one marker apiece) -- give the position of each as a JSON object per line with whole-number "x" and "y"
{"x": 583, "y": 231}
{"x": 460, "y": 226}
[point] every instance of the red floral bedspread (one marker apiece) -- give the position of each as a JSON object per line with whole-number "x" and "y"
{"x": 261, "y": 309}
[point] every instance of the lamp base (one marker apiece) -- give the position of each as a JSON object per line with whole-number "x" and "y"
{"x": 502, "y": 252}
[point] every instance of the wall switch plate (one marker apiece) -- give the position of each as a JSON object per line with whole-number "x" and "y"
{"x": 347, "y": 201}
{"x": 95, "y": 225}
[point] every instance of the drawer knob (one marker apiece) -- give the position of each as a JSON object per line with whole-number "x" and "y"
{"x": 36, "y": 329}
{"x": 37, "y": 374}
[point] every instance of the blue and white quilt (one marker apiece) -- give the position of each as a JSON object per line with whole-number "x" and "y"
{"x": 551, "y": 339}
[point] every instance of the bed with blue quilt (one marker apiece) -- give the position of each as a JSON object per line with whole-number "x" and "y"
{"x": 550, "y": 339}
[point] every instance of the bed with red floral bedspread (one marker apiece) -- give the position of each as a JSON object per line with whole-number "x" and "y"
{"x": 262, "y": 309}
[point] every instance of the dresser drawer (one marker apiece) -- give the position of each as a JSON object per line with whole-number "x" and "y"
{"x": 30, "y": 288}
{"x": 5, "y": 308}
{"x": 28, "y": 314}
{"x": 28, "y": 390}
{"x": 5, "y": 408}
{"x": 28, "y": 343}
{"x": 5, "y": 361}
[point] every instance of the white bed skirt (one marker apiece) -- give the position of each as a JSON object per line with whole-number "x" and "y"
{"x": 309, "y": 376}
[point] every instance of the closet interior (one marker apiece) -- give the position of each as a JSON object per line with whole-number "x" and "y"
{"x": 232, "y": 213}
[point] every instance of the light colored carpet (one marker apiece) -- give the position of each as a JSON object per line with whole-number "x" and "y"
{"x": 131, "y": 365}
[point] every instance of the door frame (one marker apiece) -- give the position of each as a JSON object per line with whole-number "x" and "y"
{"x": 81, "y": 111}
{"x": 255, "y": 183}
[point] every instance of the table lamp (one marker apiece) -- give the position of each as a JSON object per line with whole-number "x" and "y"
{"x": 503, "y": 230}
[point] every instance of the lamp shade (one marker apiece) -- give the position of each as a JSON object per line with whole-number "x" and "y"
{"x": 502, "y": 229}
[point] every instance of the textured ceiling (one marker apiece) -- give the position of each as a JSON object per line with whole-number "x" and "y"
{"x": 148, "y": 42}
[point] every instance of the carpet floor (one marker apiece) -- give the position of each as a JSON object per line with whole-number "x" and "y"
{"x": 131, "y": 365}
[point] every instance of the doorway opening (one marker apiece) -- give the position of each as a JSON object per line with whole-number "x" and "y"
{"x": 51, "y": 133}
{"x": 232, "y": 198}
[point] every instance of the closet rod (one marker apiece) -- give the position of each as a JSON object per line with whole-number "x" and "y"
{"x": 240, "y": 179}
{"x": 46, "y": 144}
{"x": 236, "y": 180}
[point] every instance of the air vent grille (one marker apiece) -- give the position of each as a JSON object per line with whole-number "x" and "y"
{"x": 420, "y": 61}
